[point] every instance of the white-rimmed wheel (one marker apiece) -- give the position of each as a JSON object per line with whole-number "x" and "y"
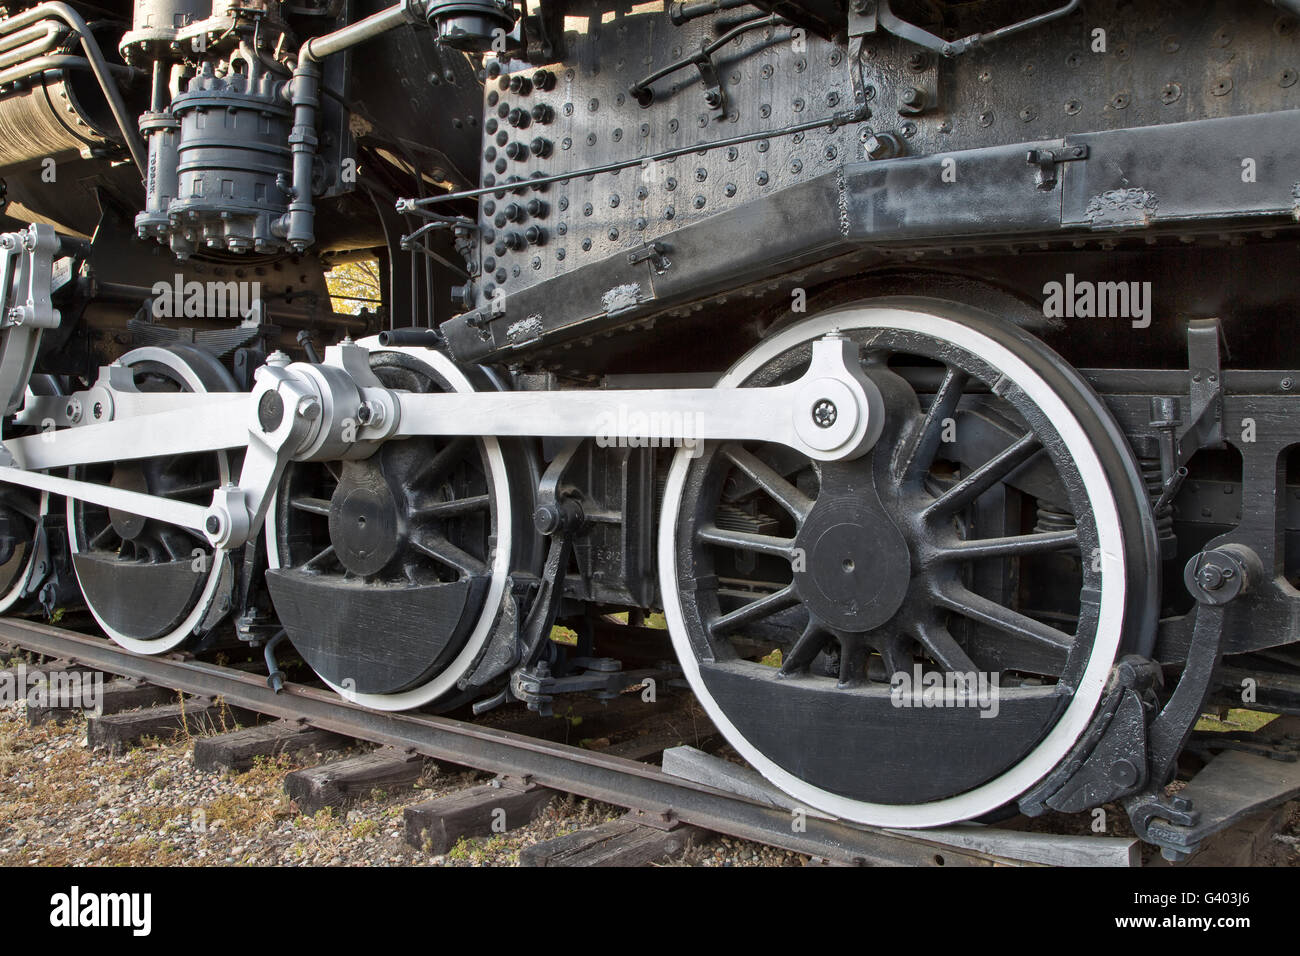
{"x": 22, "y": 561}
{"x": 948, "y": 607}
{"x": 25, "y": 558}
{"x": 149, "y": 584}
{"x": 389, "y": 573}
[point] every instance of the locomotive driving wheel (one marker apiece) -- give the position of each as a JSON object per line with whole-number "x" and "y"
{"x": 388, "y": 573}
{"x": 21, "y": 514}
{"x": 149, "y": 584}
{"x": 948, "y": 606}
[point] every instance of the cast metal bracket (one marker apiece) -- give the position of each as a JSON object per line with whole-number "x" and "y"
{"x": 1047, "y": 161}
{"x": 899, "y": 27}
{"x": 653, "y": 253}
{"x": 1214, "y": 578}
{"x": 1204, "y": 428}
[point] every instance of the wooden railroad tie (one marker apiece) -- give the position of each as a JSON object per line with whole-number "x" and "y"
{"x": 435, "y": 826}
{"x": 239, "y": 749}
{"x": 194, "y": 716}
{"x": 622, "y": 842}
{"x": 340, "y": 782}
{"x": 115, "y": 696}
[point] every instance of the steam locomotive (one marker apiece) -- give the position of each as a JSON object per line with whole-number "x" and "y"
{"x": 929, "y": 365}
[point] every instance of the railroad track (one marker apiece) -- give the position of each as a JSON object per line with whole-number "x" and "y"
{"x": 690, "y": 792}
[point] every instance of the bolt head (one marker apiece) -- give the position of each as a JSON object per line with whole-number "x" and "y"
{"x": 1124, "y": 773}
{"x": 546, "y": 519}
{"x": 875, "y": 147}
{"x": 1210, "y": 577}
{"x": 824, "y": 413}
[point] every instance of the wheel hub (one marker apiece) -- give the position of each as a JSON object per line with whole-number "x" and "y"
{"x": 856, "y": 564}
{"x": 366, "y": 528}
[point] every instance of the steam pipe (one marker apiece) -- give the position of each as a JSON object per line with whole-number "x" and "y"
{"x": 25, "y": 44}
{"x": 98, "y": 65}
{"x": 58, "y": 61}
{"x": 298, "y": 225}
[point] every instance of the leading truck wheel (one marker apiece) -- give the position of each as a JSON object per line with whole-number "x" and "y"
{"x": 947, "y": 607}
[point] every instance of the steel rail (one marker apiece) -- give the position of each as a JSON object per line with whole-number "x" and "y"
{"x": 658, "y": 796}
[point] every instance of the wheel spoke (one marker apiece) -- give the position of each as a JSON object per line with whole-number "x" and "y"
{"x": 805, "y": 649}
{"x": 440, "y": 466}
{"x": 755, "y": 610}
{"x": 450, "y": 509}
{"x": 104, "y": 534}
{"x": 1011, "y": 546}
{"x": 770, "y": 480}
{"x": 316, "y": 506}
{"x": 194, "y": 489}
{"x": 926, "y": 446}
{"x": 442, "y": 550}
{"x": 747, "y": 541}
{"x": 994, "y": 615}
{"x": 319, "y": 559}
{"x": 985, "y": 476}
{"x": 896, "y": 654}
{"x": 943, "y": 648}
{"x": 853, "y": 659}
